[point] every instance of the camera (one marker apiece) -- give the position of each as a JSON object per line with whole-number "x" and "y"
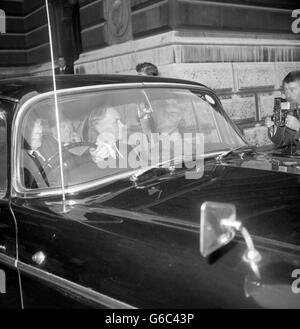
{"x": 281, "y": 109}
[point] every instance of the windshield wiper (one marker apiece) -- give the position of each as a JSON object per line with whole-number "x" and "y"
{"x": 163, "y": 167}
{"x": 244, "y": 148}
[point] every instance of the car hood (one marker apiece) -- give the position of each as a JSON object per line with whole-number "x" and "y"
{"x": 265, "y": 191}
{"x": 154, "y": 224}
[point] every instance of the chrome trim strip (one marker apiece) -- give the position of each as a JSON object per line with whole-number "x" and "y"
{"x": 15, "y": 100}
{"x": 7, "y": 260}
{"x": 17, "y": 189}
{"x": 74, "y": 189}
{"x": 67, "y": 285}
{"x": 151, "y": 219}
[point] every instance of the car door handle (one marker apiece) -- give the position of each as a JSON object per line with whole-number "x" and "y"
{"x": 39, "y": 257}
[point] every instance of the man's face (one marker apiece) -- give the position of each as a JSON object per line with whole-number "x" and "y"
{"x": 36, "y": 135}
{"x": 168, "y": 119}
{"x": 292, "y": 91}
{"x": 142, "y": 73}
{"x": 66, "y": 131}
{"x": 147, "y": 71}
{"x": 110, "y": 126}
{"x": 61, "y": 62}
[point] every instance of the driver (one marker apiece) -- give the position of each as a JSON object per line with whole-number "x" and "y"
{"x": 67, "y": 134}
{"x": 32, "y": 157}
{"x": 41, "y": 144}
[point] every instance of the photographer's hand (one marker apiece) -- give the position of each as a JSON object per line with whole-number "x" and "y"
{"x": 292, "y": 123}
{"x": 269, "y": 123}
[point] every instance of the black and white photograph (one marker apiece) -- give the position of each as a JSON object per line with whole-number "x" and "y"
{"x": 149, "y": 157}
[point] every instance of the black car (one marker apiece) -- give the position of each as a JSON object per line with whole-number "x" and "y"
{"x": 140, "y": 192}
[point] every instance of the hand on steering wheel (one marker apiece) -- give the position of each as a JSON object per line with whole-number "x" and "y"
{"x": 46, "y": 166}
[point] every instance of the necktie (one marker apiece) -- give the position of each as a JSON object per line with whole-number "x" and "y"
{"x": 38, "y": 160}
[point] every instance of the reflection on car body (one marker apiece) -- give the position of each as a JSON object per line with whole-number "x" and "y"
{"x": 127, "y": 234}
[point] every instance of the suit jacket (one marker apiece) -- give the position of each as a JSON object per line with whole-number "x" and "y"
{"x": 67, "y": 70}
{"x": 285, "y": 136}
{"x": 39, "y": 172}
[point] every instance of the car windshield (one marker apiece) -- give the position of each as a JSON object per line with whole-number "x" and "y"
{"x": 109, "y": 132}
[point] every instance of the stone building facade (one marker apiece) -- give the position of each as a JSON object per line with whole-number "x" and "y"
{"x": 240, "y": 48}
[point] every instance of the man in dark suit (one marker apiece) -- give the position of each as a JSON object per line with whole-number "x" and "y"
{"x": 40, "y": 153}
{"x": 63, "y": 68}
{"x": 288, "y": 135}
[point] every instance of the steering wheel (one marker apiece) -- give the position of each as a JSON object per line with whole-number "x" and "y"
{"x": 46, "y": 165}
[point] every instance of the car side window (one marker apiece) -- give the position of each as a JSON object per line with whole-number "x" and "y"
{"x": 82, "y": 118}
{"x": 3, "y": 152}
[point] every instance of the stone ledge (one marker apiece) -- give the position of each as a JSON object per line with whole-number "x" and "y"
{"x": 43, "y": 69}
{"x": 194, "y": 46}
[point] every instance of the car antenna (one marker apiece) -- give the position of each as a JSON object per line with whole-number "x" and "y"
{"x": 64, "y": 210}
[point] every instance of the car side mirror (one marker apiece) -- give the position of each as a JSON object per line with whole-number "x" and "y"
{"x": 213, "y": 234}
{"x": 218, "y": 226}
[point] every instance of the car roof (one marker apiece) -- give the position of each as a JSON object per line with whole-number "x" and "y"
{"x": 16, "y": 88}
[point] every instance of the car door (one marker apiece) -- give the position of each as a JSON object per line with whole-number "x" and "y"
{"x": 55, "y": 250}
{"x": 60, "y": 261}
{"x": 9, "y": 279}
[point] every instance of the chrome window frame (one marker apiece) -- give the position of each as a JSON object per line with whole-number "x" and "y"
{"x": 3, "y": 191}
{"x": 17, "y": 188}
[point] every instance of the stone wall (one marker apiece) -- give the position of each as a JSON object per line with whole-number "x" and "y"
{"x": 24, "y": 48}
{"x": 25, "y": 42}
{"x": 246, "y": 87}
